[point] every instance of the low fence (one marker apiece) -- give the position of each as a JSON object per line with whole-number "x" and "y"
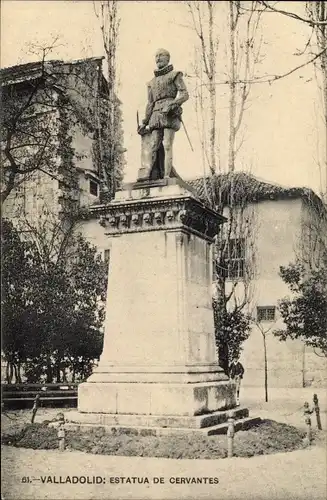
{"x": 18, "y": 396}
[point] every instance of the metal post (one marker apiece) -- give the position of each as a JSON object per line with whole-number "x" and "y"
{"x": 36, "y": 405}
{"x": 230, "y": 437}
{"x": 61, "y": 437}
{"x": 317, "y": 410}
{"x": 307, "y": 419}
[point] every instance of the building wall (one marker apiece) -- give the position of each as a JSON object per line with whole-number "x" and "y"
{"x": 31, "y": 199}
{"x": 86, "y": 197}
{"x": 290, "y": 363}
{"x": 94, "y": 233}
{"x": 37, "y": 192}
{"x": 82, "y": 143}
{"x": 278, "y": 228}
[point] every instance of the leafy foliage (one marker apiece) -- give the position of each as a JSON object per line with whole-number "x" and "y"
{"x": 232, "y": 328}
{"x": 15, "y": 271}
{"x": 305, "y": 313}
{"x": 53, "y": 303}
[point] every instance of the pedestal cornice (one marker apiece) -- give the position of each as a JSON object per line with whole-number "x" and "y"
{"x": 182, "y": 212}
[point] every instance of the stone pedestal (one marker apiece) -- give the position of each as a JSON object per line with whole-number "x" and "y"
{"x": 159, "y": 363}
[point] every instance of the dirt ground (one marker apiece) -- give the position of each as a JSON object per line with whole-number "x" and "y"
{"x": 298, "y": 475}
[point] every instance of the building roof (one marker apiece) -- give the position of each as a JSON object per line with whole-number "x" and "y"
{"x": 33, "y": 70}
{"x": 248, "y": 188}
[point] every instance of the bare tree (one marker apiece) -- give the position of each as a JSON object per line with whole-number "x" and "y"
{"x": 264, "y": 329}
{"x": 227, "y": 193}
{"x": 314, "y": 16}
{"x": 317, "y": 13}
{"x": 244, "y": 55}
{"x": 43, "y": 102}
{"x": 25, "y": 141}
{"x": 311, "y": 21}
{"x": 234, "y": 265}
{"x": 202, "y": 14}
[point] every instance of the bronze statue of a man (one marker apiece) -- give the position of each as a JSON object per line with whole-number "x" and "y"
{"x": 166, "y": 93}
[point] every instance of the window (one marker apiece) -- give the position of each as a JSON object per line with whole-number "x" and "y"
{"x": 235, "y": 258}
{"x": 106, "y": 256}
{"x": 266, "y": 313}
{"x": 93, "y": 188}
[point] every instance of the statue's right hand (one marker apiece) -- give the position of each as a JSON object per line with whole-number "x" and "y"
{"x": 141, "y": 130}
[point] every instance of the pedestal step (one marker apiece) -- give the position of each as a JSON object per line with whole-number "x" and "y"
{"x": 149, "y": 425}
{"x": 154, "y": 421}
{"x": 242, "y": 424}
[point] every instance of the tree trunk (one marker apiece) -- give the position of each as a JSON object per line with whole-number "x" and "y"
{"x": 303, "y": 366}
{"x": 265, "y": 365}
{"x": 57, "y": 370}
{"x": 19, "y": 376}
{"x": 223, "y": 356}
{"x": 318, "y": 13}
{"x": 9, "y": 372}
{"x": 49, "y": 371}
{"x": 232, "y": 89}
{"x": 322, "y": 42}
{"x": 223, "y": 350}
{"x": 82, "y": 370}
{"x": 212, "y": 92}
{"x": 219, "y": 310}
{"x": 324, "y": 84}
{"x": 16, "y": 373}
{"x": 109, "y": 25}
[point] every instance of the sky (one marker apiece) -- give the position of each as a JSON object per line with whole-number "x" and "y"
{"x": 283, "y": 135}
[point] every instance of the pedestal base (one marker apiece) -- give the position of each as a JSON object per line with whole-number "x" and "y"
{"x": 156, "y": 399}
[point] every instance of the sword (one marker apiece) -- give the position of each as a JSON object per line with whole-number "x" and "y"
{"x": 187, "y": 135}
{"x": 137, "y": 119}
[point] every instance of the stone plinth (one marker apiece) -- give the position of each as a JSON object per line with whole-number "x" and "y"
{"x": 159, "y": 356}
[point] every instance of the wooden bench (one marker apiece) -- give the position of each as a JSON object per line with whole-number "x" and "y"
{"x": 23, "y": 395}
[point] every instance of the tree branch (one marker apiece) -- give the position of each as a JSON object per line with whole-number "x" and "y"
{"x": 271, "y": 79}
{"x": 311, "y": 22}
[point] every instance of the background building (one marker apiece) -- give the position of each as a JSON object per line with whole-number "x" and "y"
{"x": 54, "y": 132}
{"x": 288, "y": 223}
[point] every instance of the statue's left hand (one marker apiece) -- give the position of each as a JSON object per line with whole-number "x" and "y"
{"x": 175, "y": 109}
{"x": 172, "y": 107}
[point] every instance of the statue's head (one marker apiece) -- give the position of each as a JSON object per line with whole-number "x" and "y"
{"x": 162, "y": 58}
